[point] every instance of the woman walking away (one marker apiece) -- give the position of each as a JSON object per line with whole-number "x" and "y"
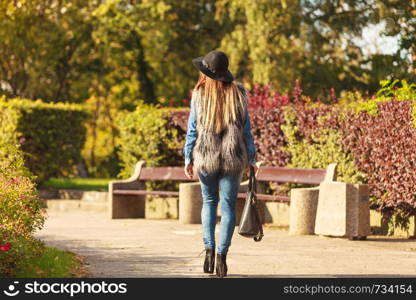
{"x": 220, "y": 147}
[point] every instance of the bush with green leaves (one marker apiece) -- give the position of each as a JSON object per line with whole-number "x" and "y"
{"x": 51, "y": 135}
{"x": 313, "y": 140}
{"x": 148, "y": 134}
{"x": 398, "y": 90}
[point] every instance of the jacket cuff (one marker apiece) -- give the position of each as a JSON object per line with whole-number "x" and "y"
{"x": 188, "y": 161}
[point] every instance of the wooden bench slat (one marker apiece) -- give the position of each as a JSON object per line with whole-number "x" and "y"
{"x": 143, "y": 192}
{"x": 291, "y": 175}
{"x": 275, "y": 174}
{"x": 164, "y": 173}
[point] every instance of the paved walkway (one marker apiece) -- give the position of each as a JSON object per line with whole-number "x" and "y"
{"x": 165, "y": 248}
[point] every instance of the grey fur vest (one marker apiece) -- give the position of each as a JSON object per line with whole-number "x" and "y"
{"x": 226, "y": 151}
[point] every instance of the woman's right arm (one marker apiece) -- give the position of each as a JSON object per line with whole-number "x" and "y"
{"x": 248, "y": 137}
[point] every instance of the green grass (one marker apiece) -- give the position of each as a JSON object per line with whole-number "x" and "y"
{"x": 52, "y": 263}
{"x": 86, "y": 184}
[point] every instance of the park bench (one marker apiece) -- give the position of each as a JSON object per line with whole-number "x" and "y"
{"x": 127, "y": 196}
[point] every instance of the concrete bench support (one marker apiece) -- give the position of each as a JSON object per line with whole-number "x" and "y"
{"x": 190, "y": 203}
{"x": 343, "y": 210}
{"x": 303, "y": 205}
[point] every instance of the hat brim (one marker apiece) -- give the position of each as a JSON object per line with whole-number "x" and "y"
{"x": 226, "y": 76}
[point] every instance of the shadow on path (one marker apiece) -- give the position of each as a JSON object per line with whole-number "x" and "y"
{"x": 125, "y": 261}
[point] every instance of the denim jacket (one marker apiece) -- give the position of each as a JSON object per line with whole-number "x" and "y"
{"x": 192, "y": 135}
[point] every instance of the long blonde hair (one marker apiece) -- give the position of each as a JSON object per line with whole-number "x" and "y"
{"x": 221, "y": 101}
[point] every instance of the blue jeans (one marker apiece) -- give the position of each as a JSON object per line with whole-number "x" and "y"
{"x": 219, "y": 187}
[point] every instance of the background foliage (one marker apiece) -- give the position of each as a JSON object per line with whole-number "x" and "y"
{"x": 109, "y": 54}
{"x": 71, "y": 50}
{"x": 99, "y": 153}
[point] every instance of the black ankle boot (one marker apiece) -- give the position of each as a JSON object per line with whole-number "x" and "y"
{"x": 209, "y": 260}
{"x": 221, "y": 268}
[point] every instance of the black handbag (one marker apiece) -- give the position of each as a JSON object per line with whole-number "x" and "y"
{"x": 250, "y": 222}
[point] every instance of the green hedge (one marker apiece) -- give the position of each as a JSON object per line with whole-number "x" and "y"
{"x": 50, "y": 135}
{"x": 146, "y": 135}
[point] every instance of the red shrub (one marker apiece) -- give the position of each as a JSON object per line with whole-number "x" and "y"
{"x": 266, "y": 115}
{"x": 384, "y": 147}
{"x": 268, "y": 136}
{"x": 265, "y": 97}
{"x": 178, "y": 120}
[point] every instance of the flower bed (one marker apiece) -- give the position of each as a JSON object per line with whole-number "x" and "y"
{"x": 21, "y": 212}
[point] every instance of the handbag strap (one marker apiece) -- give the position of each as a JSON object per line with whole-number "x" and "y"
{"x": 252, "y": 186}
{"x": 252, "y": 182}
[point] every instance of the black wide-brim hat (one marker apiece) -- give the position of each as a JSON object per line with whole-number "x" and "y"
{"x": 214, "y": 65}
